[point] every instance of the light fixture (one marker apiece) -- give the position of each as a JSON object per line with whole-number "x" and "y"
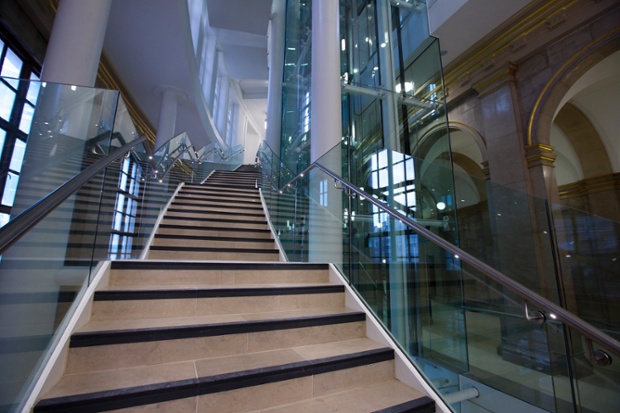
{"x": 441, "y": 205}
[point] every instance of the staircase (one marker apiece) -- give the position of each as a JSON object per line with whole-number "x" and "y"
{"x": 212, "y": 322}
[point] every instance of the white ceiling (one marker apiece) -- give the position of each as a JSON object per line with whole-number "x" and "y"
{"x": 145, "y": 41}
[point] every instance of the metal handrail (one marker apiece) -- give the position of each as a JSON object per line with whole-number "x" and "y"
{"x": 553, "y": 311}
{"x": 20, "y": 225}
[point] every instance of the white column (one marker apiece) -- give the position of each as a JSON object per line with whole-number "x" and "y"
{"x": 76, "y": 41}
{"x": 277, "y": 33}
{"x": 325, "y": 228}
{"x": 325, "y": 106}
{"x": 166, "y": 124}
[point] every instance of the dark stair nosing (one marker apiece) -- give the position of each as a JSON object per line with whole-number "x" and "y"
{"x": 422, "y": 405}
{"x": 114, "y": 295}
{"x": 226, "y": 229}
{"x": 213, "y": 212}
{"x": 109, "y": 337}
{"x": 168, "y": 391}
{"x": 213, "y": 238}
{"x": 207, "y": 219}
{"x": 214, "y": 249}
{"x": 209, "y": 265}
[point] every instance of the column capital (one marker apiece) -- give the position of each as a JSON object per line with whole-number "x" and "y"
{"x": 540, "y": 155}
{"x": 495, "y": 78}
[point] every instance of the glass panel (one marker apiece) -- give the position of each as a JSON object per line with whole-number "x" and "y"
{"x": 458, "y": 325}
{"x": 18, "y": 156}
{"x": 26, "y": 121}
{"x": 11, "y": 67}
{"x": 33, "y": 89}
{"x": 295, "y": 138}
{"x": 72, "y": 127}
{"x": 2, "y": 137}
{"x": 4, "y": 218}
{"x": 7, "y": 98}
{"x": 10, "y": 187}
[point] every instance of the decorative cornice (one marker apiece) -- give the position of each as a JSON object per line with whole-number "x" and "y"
{"x": 496, "y": 79}
{"x": 517, "y": 36}
{"x": 609, "y": 182}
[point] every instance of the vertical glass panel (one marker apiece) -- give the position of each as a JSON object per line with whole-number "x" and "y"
{"x": 8, "y": 197}
{"x": 18, "y": 156}
{"x": 295, "y": 138}
{"x": 4, "y": 218}
{"x": 11, "y": 67}
{"x": 2, "y": 138}
{"x": 26, "y": 121}
{"x": 7, "y": 98}
{"x": 33, "y": 89}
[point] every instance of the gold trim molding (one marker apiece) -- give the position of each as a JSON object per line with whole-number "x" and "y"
{"x": 540, "y": 155}
{"x": 562, "y": 71}
{"x": 521, "y": 34}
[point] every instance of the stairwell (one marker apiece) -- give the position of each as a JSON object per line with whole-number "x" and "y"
{"x": 212, "y": 321}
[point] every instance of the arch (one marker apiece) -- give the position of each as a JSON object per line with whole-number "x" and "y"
{"x": 545, "y": 107}
{"x": 583, "y": 137}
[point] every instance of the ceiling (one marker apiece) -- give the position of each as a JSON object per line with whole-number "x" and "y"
{"x": 145, "y": 41}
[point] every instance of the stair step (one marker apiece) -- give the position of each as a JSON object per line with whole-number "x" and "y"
{"x": 180, "y": 240}
{"x": 157, "y": 252}
{"x": 116, "y": 304}
{"x": 165, "y": 229}
{"x": 311, "y": 372}
{"x": 211, "y": 222}
{"x": 154, "y": 273}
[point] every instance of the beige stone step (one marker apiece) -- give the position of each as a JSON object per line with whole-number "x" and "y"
{"x": 247, "y": 243}
{"x": 214, "y": 222}
{"x": 154, "y": 254}
{"x": 205, "y": 337}
{"x": 102, "y": 380}
{"x": 223, "y": 232}
{"x": 125, "y": 274}
{"x": 115, "y": 304}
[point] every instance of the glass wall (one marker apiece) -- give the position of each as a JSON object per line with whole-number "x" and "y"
{"x": 295, "y": 139}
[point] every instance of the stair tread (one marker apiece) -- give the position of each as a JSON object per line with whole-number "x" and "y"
{"x": 143, "y": 324}
{"x": 184, "y": 287}
{"x": 105, "y": 380}
{"x": 370, "y": 398}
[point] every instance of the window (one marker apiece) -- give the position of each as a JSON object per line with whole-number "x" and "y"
{"x": 17, "y": 102}
{"x": 125, "y": 211}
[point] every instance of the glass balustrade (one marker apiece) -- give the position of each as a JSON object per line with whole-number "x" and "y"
{"x": 112, "y": 216}
{"x": 459, "y": 326}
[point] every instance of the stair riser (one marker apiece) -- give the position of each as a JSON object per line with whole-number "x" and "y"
{"x": 134, "y": 309}
{"x": 105, "y": 357}
{"x": 216, "y": 256}
{"x": 216, "y": 277}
